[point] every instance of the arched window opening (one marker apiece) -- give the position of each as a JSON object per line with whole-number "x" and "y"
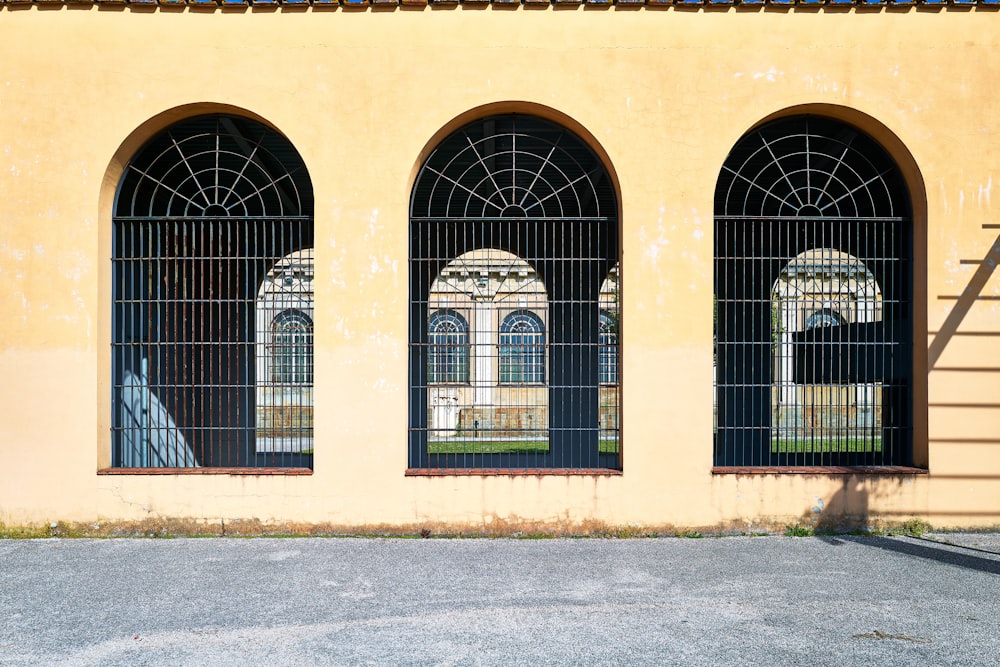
{"x": 213, "y": 236}
{"x": 522, "y": 349}
{"x": 824, "y": 318}
{"x": 284, "y": 345}
{"x": 609, "y": 340}
{"x": 448, "y": 335}
{"x": 608, "y": 320}
{"x": 292, "y": 348}
{"x": 513, "y": 226}
{"x": 813, "y": 276}
{"x": 609, "y": 348}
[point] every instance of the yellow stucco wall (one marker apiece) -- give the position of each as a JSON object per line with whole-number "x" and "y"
{"x": 363, "y": 95}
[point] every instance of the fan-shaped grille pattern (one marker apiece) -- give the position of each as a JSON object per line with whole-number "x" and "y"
{"x": 808, "y": 167}
{"x": 813, "y": 288}
{"x": 513, "y": 167}
{"x": 211, "y": 318}
{"x": 215, "y": 166}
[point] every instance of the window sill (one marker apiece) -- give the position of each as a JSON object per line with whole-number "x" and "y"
{"x": 206, "y": 471}
{"x": 818, "y": 470}
{"x": 512, "y": 472}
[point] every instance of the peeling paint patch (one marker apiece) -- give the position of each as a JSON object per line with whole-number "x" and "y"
{"x": 654, "y": 246}
{"x": 770, "y": 75}
{"x": 74, "y": 266}
{"x": 373, "y": 225}
{"x": 25, "y": 306}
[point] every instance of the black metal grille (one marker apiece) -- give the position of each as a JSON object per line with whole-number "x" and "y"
{"x": 212, "y": 314}
{"x": 513, "y": 258}
{"x": 813, "y": 246}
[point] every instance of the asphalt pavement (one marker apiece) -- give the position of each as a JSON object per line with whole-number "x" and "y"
{"x": 368, "y": 601}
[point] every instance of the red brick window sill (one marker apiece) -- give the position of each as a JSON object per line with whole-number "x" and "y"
{"x": 205, "y": 471}
{"x": 512, "y": 472}
{"x": 817, "y": 470}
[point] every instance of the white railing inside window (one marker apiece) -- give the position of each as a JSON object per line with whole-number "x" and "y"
{"x": 151, "y": 437}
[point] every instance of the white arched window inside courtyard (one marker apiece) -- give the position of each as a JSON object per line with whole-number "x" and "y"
{"x": 522, "y": 348}
{"x": 291, "y": 348}
{"x": 448, "y": 336}
{"x": 285, "y": 332}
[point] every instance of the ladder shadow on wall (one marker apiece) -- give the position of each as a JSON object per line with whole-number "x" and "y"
{"x": 951, "y": 328}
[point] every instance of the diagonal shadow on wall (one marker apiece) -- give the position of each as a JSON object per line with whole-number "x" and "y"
{"x": 964, "y": 303}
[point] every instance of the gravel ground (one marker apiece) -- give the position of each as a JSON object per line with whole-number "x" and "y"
{"x": 354, "y": 601}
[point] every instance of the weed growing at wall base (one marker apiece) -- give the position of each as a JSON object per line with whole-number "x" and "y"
{"x": 799, "y": 530}
{"x": 914, "y": 527}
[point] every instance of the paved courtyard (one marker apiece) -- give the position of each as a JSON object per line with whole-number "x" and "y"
{"x": 355, "y": 601}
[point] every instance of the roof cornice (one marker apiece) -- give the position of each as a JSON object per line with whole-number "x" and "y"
{"x": 389, "y": 4}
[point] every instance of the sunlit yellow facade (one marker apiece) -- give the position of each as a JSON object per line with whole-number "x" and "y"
{"x": 660, "y": 93}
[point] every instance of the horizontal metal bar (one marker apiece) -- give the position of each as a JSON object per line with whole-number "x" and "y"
{"x": 210, "y": 219}
{"x": 471, "y": 220}
{"x": 805, "y": 218}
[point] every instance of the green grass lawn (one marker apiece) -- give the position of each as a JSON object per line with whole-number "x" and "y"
{"x": 483, "y": 446}
{"x": 825, "y": 445}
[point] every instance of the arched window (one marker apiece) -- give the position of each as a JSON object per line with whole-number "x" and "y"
{"x": 212, "y": 216}
{"x": 284, "y": 346}
{"x": 609, "y": 347}
{"x": 291, "y": 346}
{"x": 513, "y": 222}
{"x": 813, "y": 282}
{"x": 824, "y": 318}
{"x": 609, "y": 341}
{"x": 522, "y": 349}
{"x": 448, "y": 335}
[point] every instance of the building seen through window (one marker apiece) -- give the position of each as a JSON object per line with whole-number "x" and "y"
{"x": 487, "y": 334}
{"x": 514, "y": 302}
{"x": 284, "y": 352}
{"x": 813, "y": 397}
